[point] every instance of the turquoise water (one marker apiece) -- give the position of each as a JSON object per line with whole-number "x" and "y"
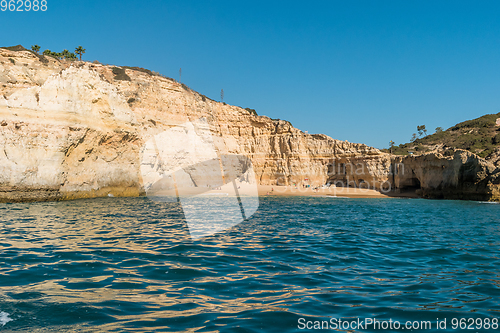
{"x": 128, "y": 264}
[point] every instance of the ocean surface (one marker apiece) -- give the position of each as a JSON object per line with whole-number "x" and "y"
{"x": 129, "y": 264}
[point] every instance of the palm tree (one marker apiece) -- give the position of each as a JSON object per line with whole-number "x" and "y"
{"x": 35, "y": 48}
{"x": 65, "y": 54}
{"x": 222, "y": 95}
{"x": 80, "y": 50}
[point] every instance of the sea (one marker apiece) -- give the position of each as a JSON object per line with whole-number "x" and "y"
{"x": 299, "y": 264}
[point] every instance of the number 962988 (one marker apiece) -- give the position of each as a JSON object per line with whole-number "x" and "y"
{"x": 23, "y": 5}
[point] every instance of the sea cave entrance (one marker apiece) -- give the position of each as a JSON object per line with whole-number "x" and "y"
{"x": 410, "y": 184}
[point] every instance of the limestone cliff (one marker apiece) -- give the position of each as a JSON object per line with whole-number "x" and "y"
{"x": 460, "y": 175}
{"x": 75, "y": 129}
{"x": 450, "y": 174}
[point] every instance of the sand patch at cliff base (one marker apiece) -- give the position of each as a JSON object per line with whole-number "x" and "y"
{"x": 331, "y": 191}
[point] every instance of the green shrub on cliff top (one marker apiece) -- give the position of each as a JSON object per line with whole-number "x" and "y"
{"x": 251, "y": 111}
{"x": 481, "y": 122}
{"x": 14, "y": 48}
{"x": 480, "y": 136}
{"x": 120, "y": 74}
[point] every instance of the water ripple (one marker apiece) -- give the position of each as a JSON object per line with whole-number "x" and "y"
{"x": 129, "y": 264}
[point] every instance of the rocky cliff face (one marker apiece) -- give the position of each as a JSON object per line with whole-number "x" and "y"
{"x": 459, "y": 175}
{"x": 75, "y": 130}
{"x": 451, "y": 174}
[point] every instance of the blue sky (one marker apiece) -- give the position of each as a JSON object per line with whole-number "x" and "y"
{"x": 362, "y": 71}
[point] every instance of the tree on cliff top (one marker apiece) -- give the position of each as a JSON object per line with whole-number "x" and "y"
{"x": 421, "y": 130}
{"x": 67, "y": 55}
{"x": 480, "y": 136}
{"x": 52, "y": 54}
{"x": 80, "y": 50}
{"x": 35, "y": 48}
{"x": 391, "y": 145}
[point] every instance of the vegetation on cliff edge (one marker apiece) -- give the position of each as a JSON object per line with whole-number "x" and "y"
{"x": 480, "y": 136}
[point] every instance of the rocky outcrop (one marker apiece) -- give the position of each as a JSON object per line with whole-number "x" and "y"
{"x": 75, "y": 129}
{"x": 463, "y": 175}
{"x": 445, "y": 174}
{"x": 449, "y": 174}
{"x": 494, "y": 157}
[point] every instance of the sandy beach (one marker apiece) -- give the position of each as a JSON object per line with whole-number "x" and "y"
{"x": 267, "y": 190}
{"x": 347, "y": 192}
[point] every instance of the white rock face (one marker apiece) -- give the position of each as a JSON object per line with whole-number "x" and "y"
{"x": 71, "y": 130}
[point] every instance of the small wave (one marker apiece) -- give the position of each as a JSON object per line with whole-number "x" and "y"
{"x": 489, "y": 202}
{"x": 4, "y": 318}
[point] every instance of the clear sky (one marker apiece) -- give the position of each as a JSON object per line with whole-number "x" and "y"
{"x": 362, "y": 71}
